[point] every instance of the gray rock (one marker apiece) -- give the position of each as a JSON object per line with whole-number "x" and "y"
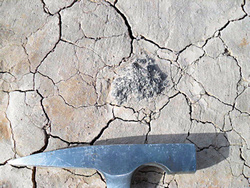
{"x": 77, "y": 92}
{"x": 218, "y": 175}
{"x": 54, "y": 177}
{"x": 176, "y": 24}
{"x": 189, "y": 55}
{"x": 243, "y": 102}
{"x": 142, "y": 79}
{"x": 129, "y": 133}
{"x": 56, "y": 66}
{"x": 208, "y": 109}
{"x": 41, "y": 42}
{"x": 191, "y": 88}
{"x": 27, "y": 120}
{"x": 223, "y": 71}
{"x": 76, "y": 124}
{"x": 55, "y": 6}
{"x": 6, "y": 139}
{"x": 202, "y": 128}
{"x": 15, "y": 177}
{"x": 19, "y": 24}
{"x": 240, "y": 124}
{"x": 238, "y": 45}
{"x": 214, "y": 47}
{"x": 174, "y": 118}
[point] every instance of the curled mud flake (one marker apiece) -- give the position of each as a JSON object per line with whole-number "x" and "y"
{"x": 142, "y": 79}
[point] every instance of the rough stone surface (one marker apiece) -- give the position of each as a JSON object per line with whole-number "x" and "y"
{"x": 61, "y": 64}
{"x": 77, "y": 92}
{"x": 240, "y": 124}
{"x": 6, "y": 143}
{"x": 75, "y": 125}
{"x": 222, "y": 71}
{"x": 209, "y": 109}
{"x": 55, "y": 6}
{"x": 242, "y": 102}
{"x": 174, "y": 118}
{"x": 129, "y": 132}
{"x": 14, "y": 177}
{"x": 171, "y": 24}
{"x": 40, "y": 43}
{"x": 239, "y": 45}
{"x": 216, "y": 176}
{"x": 214, "y": 48}
{"x": 190, "y": 55}
{"x": 77, "y": 73}
{"x": 143, "y": 78}
{"x": 62, "y": 178}
{"x": 27, "y": 120}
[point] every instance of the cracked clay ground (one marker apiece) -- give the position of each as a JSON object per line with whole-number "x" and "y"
{"x": 128, "y": 71}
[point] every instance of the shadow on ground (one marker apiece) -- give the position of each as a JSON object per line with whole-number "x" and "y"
{"x": 208, "y": 155}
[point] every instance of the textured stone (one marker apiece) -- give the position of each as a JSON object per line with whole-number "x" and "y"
{"x": 140, "y": 80}
{"x": 55, "y": 143}
{"x": 129, "y": 133}
{"x": 55, "y": 177}
{"x": 19, "y": 24}
{"x": 60, "y": 73}
{"x": 97, "y": 26}
{"x": 189, "y": 56}
{"x": 77, "y": 92}
{"x": 191, "y": 88}
{"x": 246, "y": 154}
{"x": 116, "y": 48}
{"x": 14, "y": 177}
{"x": 239, "y": 44}
{"x": 27, "y": 120}
{"x": 12, "y": 83}
{"x": 127, "y": 114}
{"x": 14, "y": 60}
{"x": 218, "y": 175}
{"x": 103, "y": 84}
{"x": 61, "y": 64}
{"x": 44, "y": 85}
{"x": 75, "y": 125}
{"x": 214, "y": 47}
{"x": 174, "y": 119}
{"x": 236, "y": 163}
{"x": 6, "y": 140}
{"x": 223, "y": 71}
{"x": 243, "y": 102}
{"x": 166, "y": 54}
{"x": 247, "y": 7}
{"x": 202, "y": 128}
{"x": 143, "y": 78}
{"x": 176, "y": 24}
{"x": 40, "y": 43}
{"x": 240, "y": 123}
{"x": 209, "y": 109}
{"x": 56, "y": 6}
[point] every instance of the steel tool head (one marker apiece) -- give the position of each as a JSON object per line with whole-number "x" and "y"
{"x": 118, "y": 162}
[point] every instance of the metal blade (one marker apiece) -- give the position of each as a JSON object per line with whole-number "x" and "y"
{"x": 117, "y": 159}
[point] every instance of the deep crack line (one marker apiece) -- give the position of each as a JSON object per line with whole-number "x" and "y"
{"x": 54, "y": 47}
{"x": 130, "y": 32}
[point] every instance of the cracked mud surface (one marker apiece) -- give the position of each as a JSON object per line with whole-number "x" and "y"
{"x": 113, "y": 72}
